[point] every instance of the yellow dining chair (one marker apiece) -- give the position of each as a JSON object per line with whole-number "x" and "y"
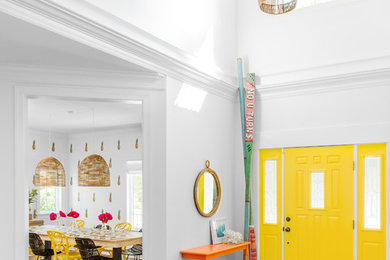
{"x": 126, "y": 226}
{"x": 60, "y": 243}
{"x": 123, "y": 226}
{"x": 78, "y": 223}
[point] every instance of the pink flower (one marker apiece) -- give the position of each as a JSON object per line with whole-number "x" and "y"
{"x": 73, "y": 214}
{"x": 53, "y": 216}
{"x": 62, "y": 214}
{"x": 105, "y": 217}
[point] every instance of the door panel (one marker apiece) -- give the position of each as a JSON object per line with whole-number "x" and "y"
{"x": 372, "y": 202}
{"x": 270, "y": 204}
{"x": 319, "y": 200}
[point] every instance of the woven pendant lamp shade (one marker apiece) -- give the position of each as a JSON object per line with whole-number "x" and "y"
{"x": 94, "y": 171}
{"x": 50, "y": 172}
{"x": 277, "y": 6}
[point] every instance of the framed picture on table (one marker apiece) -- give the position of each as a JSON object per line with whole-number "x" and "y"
{"x": 218, "y": 228}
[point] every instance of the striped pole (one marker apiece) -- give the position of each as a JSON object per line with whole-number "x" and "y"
{"x": 247, "y": 109}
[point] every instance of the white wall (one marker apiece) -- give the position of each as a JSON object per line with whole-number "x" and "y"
{"x": 7, "y": 157}
{"x": 359, "y": 115}
{"x": 193, "y": 138}
{"x": 333, "y": 33}
{"x": 128, "y": 152}
{"x": 204, "y": 29}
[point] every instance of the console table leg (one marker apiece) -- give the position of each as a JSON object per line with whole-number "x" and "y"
{"x": 246, "y": 253}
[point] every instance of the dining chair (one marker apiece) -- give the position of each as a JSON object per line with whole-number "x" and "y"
{"x": 88, "y": 250}
{"x": 78, "y": 223}
{"x": 125, "y": 226}
{"x": 134, "y": 251}
{"x": 37, "y": 247}
{"x": 60, "y": 243}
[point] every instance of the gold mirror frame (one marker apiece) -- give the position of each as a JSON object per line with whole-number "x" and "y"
{"x": 219, "y": 191}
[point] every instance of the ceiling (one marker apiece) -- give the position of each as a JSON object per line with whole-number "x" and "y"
{"x": 74, "y": 116}
{"x": 22, "y": 43}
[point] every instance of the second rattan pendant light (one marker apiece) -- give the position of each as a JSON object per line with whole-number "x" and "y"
{"x": 277, "y": 6}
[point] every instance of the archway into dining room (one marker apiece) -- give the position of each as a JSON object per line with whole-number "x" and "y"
{"x": 86, "y": 157}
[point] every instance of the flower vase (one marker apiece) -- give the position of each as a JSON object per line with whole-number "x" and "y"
{"x": 104, "y": 226}
{"x": 58, "y": 223}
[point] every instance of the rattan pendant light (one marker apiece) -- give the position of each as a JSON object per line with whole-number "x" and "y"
{"x": 93, "y": 169}
{"x": 49, "y": 173}
{"x": 277, "y": 6}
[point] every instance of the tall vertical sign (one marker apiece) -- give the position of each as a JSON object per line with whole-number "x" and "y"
{"x": 247, "y": 107}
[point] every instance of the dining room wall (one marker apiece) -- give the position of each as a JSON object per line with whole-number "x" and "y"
{"x": 82, "y": 198}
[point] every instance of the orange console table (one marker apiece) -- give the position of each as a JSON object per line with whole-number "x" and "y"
{"x": 213, "y": 251}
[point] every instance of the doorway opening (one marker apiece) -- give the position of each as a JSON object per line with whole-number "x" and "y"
{"x": 91, "y": 143}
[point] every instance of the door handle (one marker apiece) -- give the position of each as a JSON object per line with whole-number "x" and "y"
{"x": 287, "y": 229}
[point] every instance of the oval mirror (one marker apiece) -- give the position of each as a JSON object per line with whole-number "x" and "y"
{"x": 207, "y": 192}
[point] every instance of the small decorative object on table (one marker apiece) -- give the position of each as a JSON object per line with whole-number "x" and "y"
{"x": 218, "y": 228}
{"x": 104, "y": 218}
{"x": 232, "y": 237}
{"x": 73, "y": 214}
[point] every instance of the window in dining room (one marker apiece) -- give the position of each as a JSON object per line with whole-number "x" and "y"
{"x": 49, "y": 200}
{"x": 134, "y": 194}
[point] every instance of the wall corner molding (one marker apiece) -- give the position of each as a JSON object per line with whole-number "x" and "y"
{"x": 333, "y": 83}
{"x": 126, "y": 41}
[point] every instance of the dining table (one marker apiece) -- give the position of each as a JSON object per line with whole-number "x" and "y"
{"x": 116, "y": 239}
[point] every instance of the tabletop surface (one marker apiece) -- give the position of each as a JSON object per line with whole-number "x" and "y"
{"x": 100, "y": 237}
{"x": 213, "y": 249}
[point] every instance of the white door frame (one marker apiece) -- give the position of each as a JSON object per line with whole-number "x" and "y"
{"x": 153, "y": 130}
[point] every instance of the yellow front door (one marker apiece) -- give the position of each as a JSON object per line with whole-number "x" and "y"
{"x": 318, "y": 203}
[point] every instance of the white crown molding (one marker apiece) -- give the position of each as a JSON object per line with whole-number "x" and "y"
{"x": 345, "y": 82}
{"x": 326, "y": 70}
{"x": 125, "y": 41}
{"x": 27, "y": 75}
